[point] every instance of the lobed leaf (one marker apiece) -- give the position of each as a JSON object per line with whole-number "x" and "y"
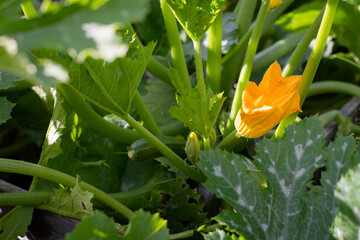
{"x": 110, "y": 86}
{"x": 75, "y": 203}
{"x": 198, "y": 107}
{"x": 286, "y": 209}
{"x": 152, "y": 227}
{"x": 96, "y": 227}
{"x": 347, "y": 194}
{"x": 5, "y": 109}
{"x": 196, "y": 16}
{"x": 79, "y": 26}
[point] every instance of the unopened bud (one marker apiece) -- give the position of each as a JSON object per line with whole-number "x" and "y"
{"x": 192, "y": 148}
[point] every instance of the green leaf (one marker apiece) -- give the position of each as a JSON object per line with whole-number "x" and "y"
{"x": 110, "y": 86}
{"x": 19, "y": 65}
{"x": 96, "y": 227}
{"x": 81, "y": 25}
{"x": 196, "y": 16}
{"x": 15, "y": 222}
{"x": 220, "y": 235}
{"x": 181, "y": 206}
{"x": 143, "y": 226}
{"x": 158, "y": 99}
{"x": 286, "y": 209}
{"x": 75, "y": 203}
{"x": 347, "y": 221}
{"x": 5, "y": 109}
{"x": 198, "y": 107}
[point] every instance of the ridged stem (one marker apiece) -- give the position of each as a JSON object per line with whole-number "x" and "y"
{"x": 26, "y": 168}
{"x": 247, "y": 65}
{"x": 313, "y": 62}
{"x": 175, "y": 44}
{"x": 213, "y": 64}
{"x": 167, "y": 152}
{"x": 145, "y": 115}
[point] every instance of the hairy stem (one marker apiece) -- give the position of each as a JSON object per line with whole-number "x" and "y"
{"x": 198, "y": 62}
{"x": 167, "y": 152}
{"x": 145, "y": 115}
{"x": 334, "y": 86}
{"x": 313, "y": 62}
{"x": 175, "y": 44}
{"x": 28, "y": 9}
{"x": 25, "y": 198}
{"x": 21, "y": 167}
{"x": 213, "y": 64}
{"x": 247, "y": 65}
{"x": 94, "y": 120}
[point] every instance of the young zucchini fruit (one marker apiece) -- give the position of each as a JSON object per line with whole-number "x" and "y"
{"x": 142, "y": 150}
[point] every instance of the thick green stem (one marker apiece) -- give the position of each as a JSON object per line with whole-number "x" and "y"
{"x": 167, "y": 152}
{"x": 158, "y": 70}
{"x": 333, "y": 86}
{"x": 232, "y": 60}
{"x": 313, "y": 62}
{"x": 213, "y": 64}
{"x": 145, "y": 115}
{"x": 303, "y": 45}
{"x": 21, "y": 167}
{"x": 198, "y": 62}
{"x": 275, "y": 51}
{"x": 25, "y": 198}
{"x": 247, "y": 66}
{"x": 232, "y": 140}
{"x": 94, "y": 120}
{"x": 175, "y": 44}
{"x": 207, "y": 145}
{"x": 28, "y": 9}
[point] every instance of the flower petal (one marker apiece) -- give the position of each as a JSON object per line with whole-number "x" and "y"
{"x": 258, "y": 123}
{"x": 271, "y": 77}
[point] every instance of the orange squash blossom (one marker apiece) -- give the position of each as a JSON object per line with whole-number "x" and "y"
{"x": 274, "y": 3}
{"x": 264, "y": 106}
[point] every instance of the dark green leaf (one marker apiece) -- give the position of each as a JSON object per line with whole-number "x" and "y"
{"x": 75, "y": 203}
{"x": 196, "y": 16}
{"x": 5, "y": 109}
{"x": 144, "y": 226}
{"x": 285, "y": 209}
{"x": 96, "y": 227}
{"x": 15, "y": 223}
{"x": 220, "y": 235}
{"x": 347, "y": 221}
{"x": 110, "y": 86}
{"x": 159, "y": 98}
{"x": 81, "y": 25}
{"x": 198, "y": 107}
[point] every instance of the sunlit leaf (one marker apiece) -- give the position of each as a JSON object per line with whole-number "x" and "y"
{"x": 80, "y": 26}
{"x": 198, "y": 107}
{"x": 110, "y": 86}
{"x": 347, "y": 221}
{"x": 286, "y": 209}
{"x": 96, "y": 227}
{"x": 152, "y": 227}
{"x": 196, "y": 16}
